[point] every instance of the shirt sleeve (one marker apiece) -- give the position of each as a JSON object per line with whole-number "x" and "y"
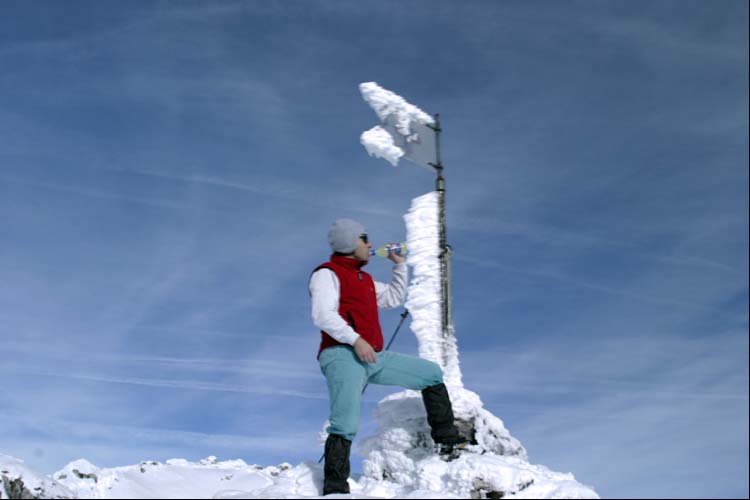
{"x": 393, "y": 294}
{"x": 325, "y": 292}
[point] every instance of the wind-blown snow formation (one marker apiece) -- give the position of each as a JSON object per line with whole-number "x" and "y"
{"x": 379, "y": 143}
{"x": 386, "y": 103}
{"x": 404, "y": 119}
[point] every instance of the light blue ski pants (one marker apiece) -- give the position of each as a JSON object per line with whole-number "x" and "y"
{"x": 346, "y": 376}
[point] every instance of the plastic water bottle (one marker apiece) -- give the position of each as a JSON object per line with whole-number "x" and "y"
{"x": 397, "y": 248}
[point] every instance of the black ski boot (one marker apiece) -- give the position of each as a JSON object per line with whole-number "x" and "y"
{"x": 440, "y": 417}
{"x": 337, "y": 465}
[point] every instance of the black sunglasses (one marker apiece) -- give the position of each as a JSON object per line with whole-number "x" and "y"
{"x": 363, "y": 237}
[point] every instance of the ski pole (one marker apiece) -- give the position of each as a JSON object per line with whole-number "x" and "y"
{"x": 393, "y": 337}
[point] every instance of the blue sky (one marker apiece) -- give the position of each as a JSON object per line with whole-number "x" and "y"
{"x": 168, "y": 171}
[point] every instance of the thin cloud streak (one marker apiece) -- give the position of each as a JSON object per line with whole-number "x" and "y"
{"x": 108, "y": 195}
{"x": 286, "y": 189}
{"x": 182, "y": 384}
{"x": 655, "y": 402}
{"x": 609, "y": 332}
{"x": 583, "y": 284}
{"x": 70, "y": 433}
{"x": 268, "y": 368}
{"x": 555, "y": 236}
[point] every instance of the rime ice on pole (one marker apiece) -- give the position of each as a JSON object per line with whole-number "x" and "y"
{"x": 401, "y": 452}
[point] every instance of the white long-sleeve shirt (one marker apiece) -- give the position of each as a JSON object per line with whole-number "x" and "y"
{"x": 325, "y": 291}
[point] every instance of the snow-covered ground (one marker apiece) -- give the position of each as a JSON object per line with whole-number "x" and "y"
{"x": 210, "y": 478}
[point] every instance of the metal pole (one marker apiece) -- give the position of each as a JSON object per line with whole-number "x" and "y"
{"x": 445, "y": 250}
{"x": 448, "y": 290}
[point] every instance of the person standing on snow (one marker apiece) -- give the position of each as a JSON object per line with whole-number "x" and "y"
{"x": 345, "y": 302}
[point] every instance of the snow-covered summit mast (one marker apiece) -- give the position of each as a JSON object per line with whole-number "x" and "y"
{"x": 409, "y": 132}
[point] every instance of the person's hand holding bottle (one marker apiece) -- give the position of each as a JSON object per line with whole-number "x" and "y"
{"x": 395, "y": 253}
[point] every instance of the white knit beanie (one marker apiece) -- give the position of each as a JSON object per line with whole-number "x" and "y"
{"x": 344, "y": 234}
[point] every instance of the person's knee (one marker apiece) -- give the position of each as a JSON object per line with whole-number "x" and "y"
{"x": 345, "y": 431}
{"x": 434, "y": 375}
{"x": 344, "y": 427}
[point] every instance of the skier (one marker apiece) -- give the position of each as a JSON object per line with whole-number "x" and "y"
{"x": 345, "y": 303}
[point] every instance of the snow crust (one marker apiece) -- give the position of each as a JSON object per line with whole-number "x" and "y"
{"x": 234, "y": 479}
{"x": 18, "y": 480}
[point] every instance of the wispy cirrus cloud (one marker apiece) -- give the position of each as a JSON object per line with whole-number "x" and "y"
{"x": 628, "y": 293}
{"x": 107, "y": 445}
{"x": 73, "y": 189}
{"x": 266, "y": 185}
{"x": 169, "y": 174}
{"x": 196, "y": 385}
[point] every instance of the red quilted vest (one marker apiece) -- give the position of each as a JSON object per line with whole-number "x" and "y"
{"x": 358, "y": 304}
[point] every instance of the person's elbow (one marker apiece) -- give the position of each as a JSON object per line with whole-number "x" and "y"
{"x": 317, "y": 320}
